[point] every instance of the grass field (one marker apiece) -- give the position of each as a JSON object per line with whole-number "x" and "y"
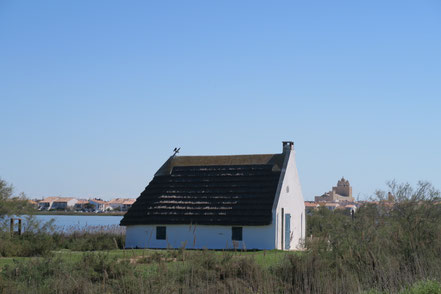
{"x": 146, "y": 271}
{"x": 147, "y": 257}
{"x": 160, "y": 271}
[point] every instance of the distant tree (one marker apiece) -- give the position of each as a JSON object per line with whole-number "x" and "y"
{"x": 12, "y": 205}
{"x": 89, "y": 206}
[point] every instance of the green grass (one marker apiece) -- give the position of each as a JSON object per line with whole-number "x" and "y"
{"x": 9, "y": 260}
{"x": 188, "y": 269}
{"x": 191, "y": 269}
{"x": 420, "y": 287}
{"x": 265, "y": 259}
{"x": 424, "y": 287}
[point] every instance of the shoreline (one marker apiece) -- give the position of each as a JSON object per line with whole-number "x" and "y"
{"x": 78, "y": 213}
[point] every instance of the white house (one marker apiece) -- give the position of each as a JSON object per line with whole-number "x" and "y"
{"x": 81, "y": 204}
{"x": 127, "y": 204}
{"x": 221, "y": 202}
{"x": 99, "y": 204}
{"x": 122, "y": 204}
{"x": 46, "y": 203}
{"x": 60, "y": 203}
{"x": 63, "y": 203}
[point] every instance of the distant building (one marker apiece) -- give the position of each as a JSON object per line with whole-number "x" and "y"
{"x": 221, "y": 202}
{"x": 99, "y": 204}
{"x": 122, "y": 204}
{"x": 311, "y": 206}
{"x": 81, "y": 204}
{"x": 342, "y": 192}
{"x": 59, "y": 203}
{"x": 127, "y": 204}
{"x": 63, "y": 203}
{"x": 331, "y": 206}
{"x": 352, "y": 208}
{"x": 46, "y": 203}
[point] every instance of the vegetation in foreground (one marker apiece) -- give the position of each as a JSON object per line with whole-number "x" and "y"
{"x": 165, "y": 271}
{"x": 391, "y": 247}
{"x": 39, "y": 239}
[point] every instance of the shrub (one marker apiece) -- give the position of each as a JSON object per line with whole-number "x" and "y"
{"x": 424, "y": 287}
{"x": 40, "y": 244}
{"x": 386, "y": 247}
{"x": 100, "y": 267}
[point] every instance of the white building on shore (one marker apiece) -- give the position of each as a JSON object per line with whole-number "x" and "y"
{"x": 221, "y": 202}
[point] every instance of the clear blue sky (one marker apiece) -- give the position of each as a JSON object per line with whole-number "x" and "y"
{"x": 96, "y": 94}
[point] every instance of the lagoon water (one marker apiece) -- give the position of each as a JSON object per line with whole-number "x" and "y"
{"x": 82, "y": 222}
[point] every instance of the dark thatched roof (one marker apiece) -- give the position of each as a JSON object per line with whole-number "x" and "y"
{"x": 210, "y": 190}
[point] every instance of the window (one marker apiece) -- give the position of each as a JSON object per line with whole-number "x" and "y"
{"x": 161, "y": 233}
{"x": 236, "y": 234}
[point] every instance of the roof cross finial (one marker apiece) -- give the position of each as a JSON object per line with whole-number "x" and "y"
{"x": 176, "y": 150}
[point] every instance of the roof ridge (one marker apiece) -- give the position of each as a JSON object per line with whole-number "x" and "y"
{"x": 227, "y": 155}
{"x": 275, "y": 159}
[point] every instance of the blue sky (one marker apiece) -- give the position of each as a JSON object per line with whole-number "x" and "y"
{"x": 95, "y": 95}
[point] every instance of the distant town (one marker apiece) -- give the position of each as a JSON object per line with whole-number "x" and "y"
{"x": 72, "y": 204}
{"x": 338, "y": 198}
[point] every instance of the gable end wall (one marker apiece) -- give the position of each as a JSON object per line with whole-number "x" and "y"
{"x": 290, "y": 198}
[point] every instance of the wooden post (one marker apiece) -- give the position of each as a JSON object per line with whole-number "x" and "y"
{"x": 12, "y": 223}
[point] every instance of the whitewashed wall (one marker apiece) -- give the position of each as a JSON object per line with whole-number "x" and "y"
{"x": 199, "y": 237}
{"x": 291, "y": 199}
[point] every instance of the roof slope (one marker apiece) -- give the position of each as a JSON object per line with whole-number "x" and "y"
{"x": 201, "y": 192}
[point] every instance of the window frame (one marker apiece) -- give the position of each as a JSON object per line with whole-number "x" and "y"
{"x": 237, "y": 233}
{"x": 161, "y": 233}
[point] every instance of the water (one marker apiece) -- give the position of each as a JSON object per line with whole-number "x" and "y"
{"x": 69, "y": 223}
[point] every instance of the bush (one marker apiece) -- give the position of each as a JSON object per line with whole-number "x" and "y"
{"x": 40, "y": 244}
{"x": 85, "y": 241}
{"x": 28, "y": 244}
{"x": 100, "y": 267}
{"x": 93, "y": 273}
{"x": 424, "y": 287}
{"x": 387, "y": 246}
